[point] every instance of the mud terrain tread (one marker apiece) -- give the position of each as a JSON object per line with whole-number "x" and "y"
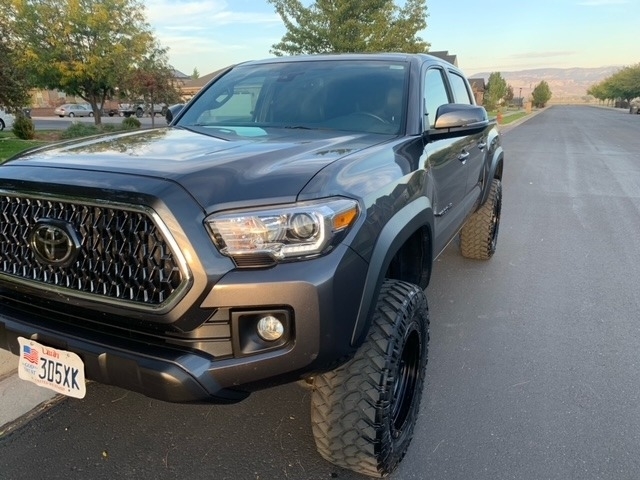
{"x": 477, "y": 237}
{"x": 348, "y": 403}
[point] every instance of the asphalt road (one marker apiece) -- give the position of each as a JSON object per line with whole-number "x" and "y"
{"x": 534, "y": 362}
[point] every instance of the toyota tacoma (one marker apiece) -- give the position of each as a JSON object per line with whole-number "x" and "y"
{"x": 283, "y": 227}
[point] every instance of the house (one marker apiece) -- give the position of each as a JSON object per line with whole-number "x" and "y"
{"x": 478, "y": 86}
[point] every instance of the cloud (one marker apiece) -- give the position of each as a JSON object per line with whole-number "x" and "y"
{"x": 203, "y": 14}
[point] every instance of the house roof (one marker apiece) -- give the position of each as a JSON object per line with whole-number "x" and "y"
{"x": 477, "y": 84}
{"x": 444, "y": 55}
{"x": 198, "y": 83}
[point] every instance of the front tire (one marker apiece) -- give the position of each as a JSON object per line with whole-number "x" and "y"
{"x": 363, "y": 413}
{"x": 479, "y": 236}
{"x": 2, "y": 125}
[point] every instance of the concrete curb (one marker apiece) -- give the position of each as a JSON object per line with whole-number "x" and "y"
{"x": 17, "y": 397}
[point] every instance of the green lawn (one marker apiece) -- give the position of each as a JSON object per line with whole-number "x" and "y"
{"x": 10, "y": 145}
{"x": 512, "y": 117}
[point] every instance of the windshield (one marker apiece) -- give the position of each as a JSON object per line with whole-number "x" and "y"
{"x": 363, "y": 96}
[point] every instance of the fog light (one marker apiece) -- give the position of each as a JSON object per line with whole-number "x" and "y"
{"x": 270, "y": 328}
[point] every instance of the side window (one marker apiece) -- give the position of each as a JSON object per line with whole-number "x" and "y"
{"x": 435, "y": 93}
{"x": 460, "y": 90}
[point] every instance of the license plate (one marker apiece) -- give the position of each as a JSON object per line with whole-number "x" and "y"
{"x": 58, "y": 370}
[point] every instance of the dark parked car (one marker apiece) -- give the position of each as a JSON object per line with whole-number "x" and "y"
{"x": 282, "y": 227}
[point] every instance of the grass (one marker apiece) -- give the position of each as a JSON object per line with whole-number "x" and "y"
{"x": 513, "y": 117}
{"x": 10, "y": 145}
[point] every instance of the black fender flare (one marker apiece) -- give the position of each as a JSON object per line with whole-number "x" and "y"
{"x": 495, "y": 171}
{"x": 393, "y": 235}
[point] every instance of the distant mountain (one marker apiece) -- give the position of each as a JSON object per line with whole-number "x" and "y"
{"x": 563, "y": 82}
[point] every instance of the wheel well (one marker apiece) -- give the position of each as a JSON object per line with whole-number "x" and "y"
{"x": 412, "y": 262}
{"x": 498, "y": 173}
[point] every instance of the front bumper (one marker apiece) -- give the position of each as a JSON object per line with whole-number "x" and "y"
{"x": 322, "y": 296}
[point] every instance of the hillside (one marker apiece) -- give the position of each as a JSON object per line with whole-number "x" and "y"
{"x": 563, "y": 82}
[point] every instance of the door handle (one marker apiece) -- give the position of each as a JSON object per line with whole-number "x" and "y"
{"x": 482, "y": 145}
{"x": 463, "y": 156}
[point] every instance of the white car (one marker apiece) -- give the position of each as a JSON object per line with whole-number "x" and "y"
{"x": 6, "y": 119}
{"x": 73, "y": 110}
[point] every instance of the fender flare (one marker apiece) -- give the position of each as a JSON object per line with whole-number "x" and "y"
{"x": 495, "y": 171}
{"x": 393, "y": 235}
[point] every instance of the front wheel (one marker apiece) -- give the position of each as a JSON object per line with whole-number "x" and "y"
{"x": 479, "y": 236}
{"x": 363, "y": 413}
{"x": 139, "y": 113}
{"x": 2, "y": 125}
{"x": 91, "y": 114}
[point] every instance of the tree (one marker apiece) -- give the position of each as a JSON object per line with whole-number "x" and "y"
{"x": 496, "y": 91}
{"x": 152, "y": 81}
{"x": 335, "y": 26}
{"x": 82, "y": 47}
{"x": 196, "y": 74}
{"x": 622, "y": 85}
{"x": 541, "y": 94}
{"x": 14, "y": 86}
{"x": 508, "y": 96}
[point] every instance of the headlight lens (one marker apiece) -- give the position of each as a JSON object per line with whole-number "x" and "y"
{"x": 286, "y": 232}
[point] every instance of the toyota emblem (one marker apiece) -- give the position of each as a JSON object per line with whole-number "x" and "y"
{"x": 54, "y": 242}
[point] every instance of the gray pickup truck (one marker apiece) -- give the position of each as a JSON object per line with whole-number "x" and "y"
{"x": 283, "y": 227}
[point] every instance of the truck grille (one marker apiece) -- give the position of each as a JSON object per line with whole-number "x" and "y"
{"x": 122, "y": 254}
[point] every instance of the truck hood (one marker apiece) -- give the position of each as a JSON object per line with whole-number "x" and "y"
{"x": 231, "y": 169}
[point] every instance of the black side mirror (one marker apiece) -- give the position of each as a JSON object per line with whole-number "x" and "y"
{"x": 172, "y": 111}
{"x": 454, "y": 120}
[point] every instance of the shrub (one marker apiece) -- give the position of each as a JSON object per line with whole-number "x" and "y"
{"x": 23, "y": 127}
{"x": 78, "y": 130}
{"x": 131, "y": 123}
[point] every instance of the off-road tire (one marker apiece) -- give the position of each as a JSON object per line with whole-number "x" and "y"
{"x": 479, "y": 236}
{"x": 364, "y": 412}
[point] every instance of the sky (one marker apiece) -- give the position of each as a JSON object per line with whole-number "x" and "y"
{"x": 486, "y": 35}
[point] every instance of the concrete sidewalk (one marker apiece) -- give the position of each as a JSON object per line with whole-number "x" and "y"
{"x": 18, "y": 397}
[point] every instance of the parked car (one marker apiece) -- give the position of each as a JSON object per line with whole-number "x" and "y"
{"x": 73, "y": 110}
{"x": 634, "y": 106}
{"x": 6, "y": 119}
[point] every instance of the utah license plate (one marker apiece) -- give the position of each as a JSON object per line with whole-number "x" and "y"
{"x": 58, "y": 370}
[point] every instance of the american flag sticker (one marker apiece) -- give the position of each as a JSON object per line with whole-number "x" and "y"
{"x": 30, "y": 354}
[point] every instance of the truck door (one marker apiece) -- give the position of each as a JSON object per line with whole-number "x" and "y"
{"x": 447, "y": 171}
{"x": 475, "y": 146}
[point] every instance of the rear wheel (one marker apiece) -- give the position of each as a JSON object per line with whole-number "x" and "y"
{"x": 2, "y": 125}
{"x": 479, "y": 236}
{"x": 71, "y": 115}
{"x": 139, "y": 113}
{"x": 363, "y": 413}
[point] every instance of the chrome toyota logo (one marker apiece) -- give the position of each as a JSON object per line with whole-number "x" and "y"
{"x": 54, "y": 242}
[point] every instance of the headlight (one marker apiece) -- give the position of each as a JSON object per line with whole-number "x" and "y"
{"x": 259, "y": 237}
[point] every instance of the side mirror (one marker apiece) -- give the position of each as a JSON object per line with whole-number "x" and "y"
{"x": 172, "y": 111}
{"x": 455, "y": 120}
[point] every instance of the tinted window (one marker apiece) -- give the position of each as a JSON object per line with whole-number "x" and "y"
{"x": 435, "y": 93}
{"x": 365, "y": 96}
{"x": 459, "y": 87}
